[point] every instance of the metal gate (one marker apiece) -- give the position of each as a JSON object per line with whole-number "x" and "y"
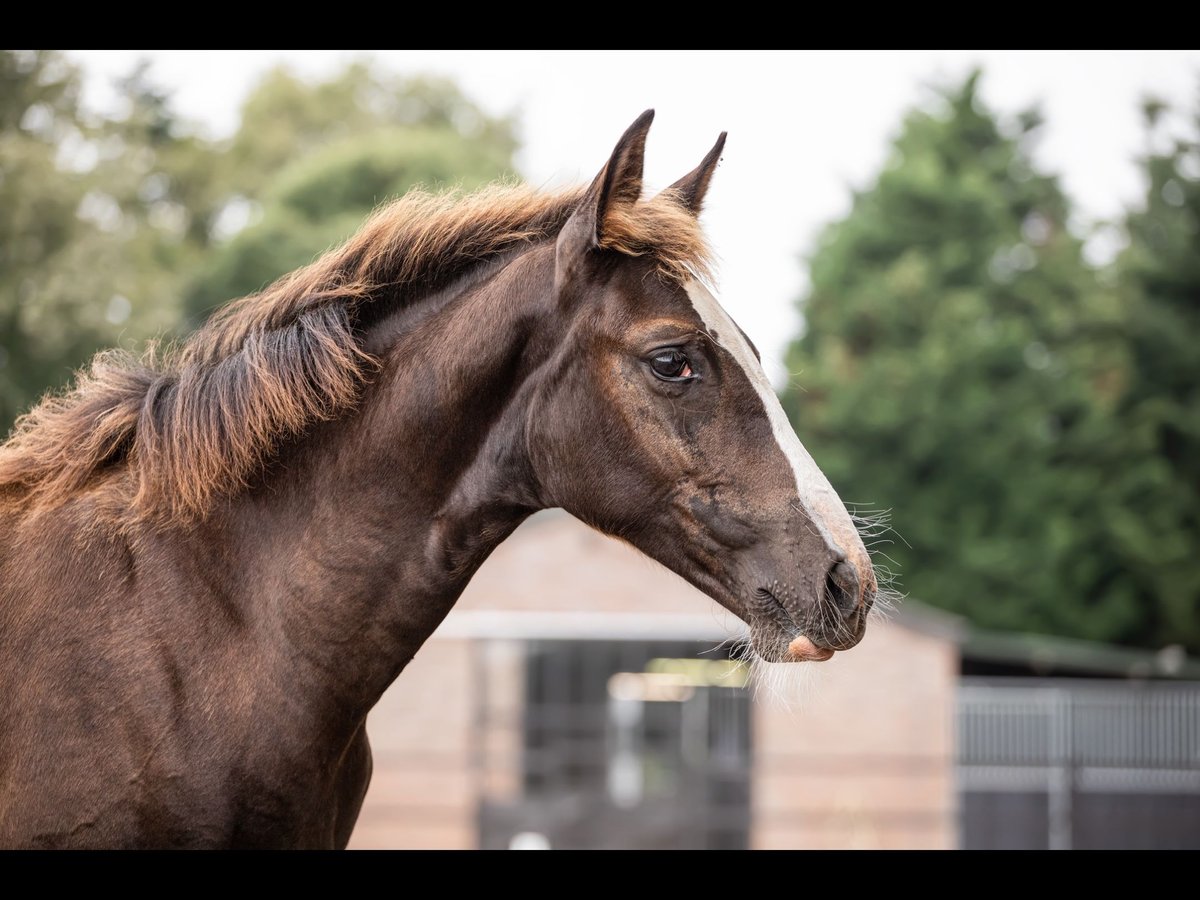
{"x": 1079, "y": 764}
{"x": 617, "y": 744}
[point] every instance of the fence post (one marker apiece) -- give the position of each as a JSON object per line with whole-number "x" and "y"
{"x": 1062, "y": 772}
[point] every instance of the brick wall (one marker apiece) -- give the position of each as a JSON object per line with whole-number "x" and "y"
{"x": 422, "y": 794}
{"x": 865, "y": 760}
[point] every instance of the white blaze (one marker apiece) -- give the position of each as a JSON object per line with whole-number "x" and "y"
{"x": 816, "y": 494}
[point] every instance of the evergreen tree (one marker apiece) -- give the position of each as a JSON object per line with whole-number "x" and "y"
{"x": 1153, "y": 495}
{"x": 961, "y": 366}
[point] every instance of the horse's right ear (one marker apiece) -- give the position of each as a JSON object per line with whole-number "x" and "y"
{"x": 620, "y": 181}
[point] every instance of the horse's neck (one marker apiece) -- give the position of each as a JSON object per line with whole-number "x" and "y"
{"x": 375, "y": 524}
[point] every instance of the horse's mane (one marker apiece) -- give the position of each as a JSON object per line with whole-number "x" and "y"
{"x": 197, "y": 421}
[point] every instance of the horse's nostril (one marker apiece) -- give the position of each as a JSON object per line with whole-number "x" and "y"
{"x": 842, "y": 587}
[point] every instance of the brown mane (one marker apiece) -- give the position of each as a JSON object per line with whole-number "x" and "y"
{"x": 198, "y": 421}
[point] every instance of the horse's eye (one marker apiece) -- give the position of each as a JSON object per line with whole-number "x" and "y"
{"x": 670, "y": 365}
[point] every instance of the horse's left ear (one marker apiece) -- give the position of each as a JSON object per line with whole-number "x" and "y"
{"x": 620, "y": 181}
{"x": 692, "y": 187}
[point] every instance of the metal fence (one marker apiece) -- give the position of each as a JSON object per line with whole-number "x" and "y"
{"x": 1079, "y": 764}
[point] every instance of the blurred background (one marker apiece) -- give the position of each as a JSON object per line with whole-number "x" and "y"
{"x": 975, "y": 280}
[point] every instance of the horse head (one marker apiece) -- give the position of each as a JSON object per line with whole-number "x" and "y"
{"x": 659, "y": 426}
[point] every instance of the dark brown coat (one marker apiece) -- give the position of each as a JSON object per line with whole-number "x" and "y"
{"x": 213, "y": 561}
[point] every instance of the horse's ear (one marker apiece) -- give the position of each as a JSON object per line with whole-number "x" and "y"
{"x": 620, "y": 181}
{"x": 692, "y": 187}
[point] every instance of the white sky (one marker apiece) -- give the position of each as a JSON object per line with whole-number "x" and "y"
{"x": 805, "y": 128}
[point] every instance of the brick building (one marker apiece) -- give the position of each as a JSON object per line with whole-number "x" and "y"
{"x": 579, "y": 695}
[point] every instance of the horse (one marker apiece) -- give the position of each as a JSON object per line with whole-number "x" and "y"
{"x": 215, "y": 558}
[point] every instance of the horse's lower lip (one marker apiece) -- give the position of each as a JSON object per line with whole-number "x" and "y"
{"x": 802, "y": 649}
{"x": 799, "y": 649}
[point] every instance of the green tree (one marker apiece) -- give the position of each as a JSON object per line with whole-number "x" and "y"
{"x": 962, "y": 367}
{"x": 95, "y": 222}
{"x": 1153, "y": 496}
{"x": 38, "y": 102}
{"x": 311, "y": 160}
{"x": 113, "y": 228}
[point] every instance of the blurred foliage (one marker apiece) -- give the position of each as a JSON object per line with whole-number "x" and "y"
{"x": 1155, "y": 476}
{"x": 96, "y": 220}
{"x": 311, "y": 161}
{"x": 1030, "y": 421}
{"x": 115, "y": 229}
